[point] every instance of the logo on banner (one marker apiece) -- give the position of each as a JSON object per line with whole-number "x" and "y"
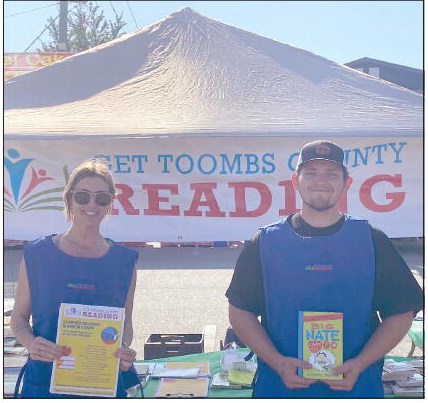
{"x": 23, "y": 192}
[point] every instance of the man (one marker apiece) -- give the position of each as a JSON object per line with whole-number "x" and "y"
{"x": 277, "y": 276}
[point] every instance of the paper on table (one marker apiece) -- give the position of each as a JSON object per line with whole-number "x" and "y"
{"x": 172, "y": 387}
{"x": 177, "y": 373}
{"x": 182, "y": 369}
{"x": 144, "y": 368}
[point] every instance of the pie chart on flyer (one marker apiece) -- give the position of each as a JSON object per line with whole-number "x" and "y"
{"x": 109, "y": 335}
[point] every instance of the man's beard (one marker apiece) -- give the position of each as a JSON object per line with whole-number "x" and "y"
{"x": 320, "y": 204}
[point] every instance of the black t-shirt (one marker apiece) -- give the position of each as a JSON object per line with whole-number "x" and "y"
{"x": 396, "y": 290}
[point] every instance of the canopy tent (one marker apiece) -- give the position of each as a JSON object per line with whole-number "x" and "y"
{"x": 203, "y": 122}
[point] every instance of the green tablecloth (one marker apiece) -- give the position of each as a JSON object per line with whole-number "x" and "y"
{"x": 416, "y": 333}
{"x": 214, "y": 360}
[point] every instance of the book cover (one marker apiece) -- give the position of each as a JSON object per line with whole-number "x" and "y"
{"x": 411, "y": 381}
{"x": 321, "y": 343}
{"x": 416, "y": 391}
{"x": 221, "y": 381}
{"x": 243, "y": 378}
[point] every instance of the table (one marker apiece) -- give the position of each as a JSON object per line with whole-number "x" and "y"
{"x": 416, "y": 334}
{"x": 214, "y": 360}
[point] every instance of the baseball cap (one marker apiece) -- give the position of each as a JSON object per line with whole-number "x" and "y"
{"x": 321, "y": 150}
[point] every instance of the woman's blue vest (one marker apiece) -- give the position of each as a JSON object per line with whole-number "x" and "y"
{"x": 56, "y": 277}
{"x": 332, "y": 273}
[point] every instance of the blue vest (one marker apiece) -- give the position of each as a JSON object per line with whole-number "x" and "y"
{"x": 56, "y": 277}
{"x": 295, "y": 280}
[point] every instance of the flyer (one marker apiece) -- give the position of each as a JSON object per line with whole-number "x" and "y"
{"x": 90, "y": 335}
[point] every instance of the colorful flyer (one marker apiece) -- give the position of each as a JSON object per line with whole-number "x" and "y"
{"x": 90, "y": 335}
{"x": 321, "y": 343}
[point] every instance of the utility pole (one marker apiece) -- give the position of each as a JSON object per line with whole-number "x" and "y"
{"x": 62, "y": 26}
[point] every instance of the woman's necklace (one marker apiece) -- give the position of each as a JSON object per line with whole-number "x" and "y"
{"x": 81, "y": 249}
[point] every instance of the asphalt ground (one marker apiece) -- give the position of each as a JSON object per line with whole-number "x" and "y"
{"x": 180, "y": 290}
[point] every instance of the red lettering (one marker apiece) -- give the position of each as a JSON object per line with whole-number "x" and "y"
{"x": 210, "y": 201}
{"x": 123, "y": 199}
{"x": 396, "y": 198}
{"x": 240, "y": 199}
{"x": 343, "y": 202}
{"x": 289, "y": 198}
{"x": 154, "y": 200}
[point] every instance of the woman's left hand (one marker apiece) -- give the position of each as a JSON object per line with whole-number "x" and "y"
{"x": 127, "y": 357}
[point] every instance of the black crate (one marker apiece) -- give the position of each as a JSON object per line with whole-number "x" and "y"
{"x": 171, "y": 345}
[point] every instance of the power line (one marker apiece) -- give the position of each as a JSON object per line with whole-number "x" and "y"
{"x": 113, "y": 8}
{"x": 41, "y": 33}
{"x": 46, "y": 27}
{"x": 132, "y": 14}
{"x": 30, "y": 11}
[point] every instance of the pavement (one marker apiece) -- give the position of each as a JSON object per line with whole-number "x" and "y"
{"x": 180, "y": 290}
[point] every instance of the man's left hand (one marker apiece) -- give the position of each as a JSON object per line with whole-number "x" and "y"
{"x": 351, "y": 370}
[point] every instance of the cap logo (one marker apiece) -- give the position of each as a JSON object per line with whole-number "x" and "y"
{"x": 323, "y": 149}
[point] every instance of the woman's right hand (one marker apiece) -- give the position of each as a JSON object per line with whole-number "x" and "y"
{"x": 44, "y": 350}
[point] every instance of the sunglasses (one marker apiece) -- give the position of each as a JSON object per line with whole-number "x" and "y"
{"x": 83, "y": 197}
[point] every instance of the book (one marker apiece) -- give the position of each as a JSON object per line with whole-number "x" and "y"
{"x": 243, "y": 378}
{"x": 14, "y": 350}
{"x": 417, "y": 391}
{"x": 10, "y": 341}
{"x": 10, "y": 376}
{"x": 320, "y": 343}
{"x": 394, "y": 371}
{"x": 414, "y": 380}
{"x": 387, "y": 388}
{"x": 14, "y": 361}
{"x": 221, "y": 381}
{"x": 173, "y": 387}
{"x": 418, "y": 364}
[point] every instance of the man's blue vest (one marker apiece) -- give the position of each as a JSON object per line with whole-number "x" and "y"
{"x": 332, "y": 273}
{"x": 56, "y": 277}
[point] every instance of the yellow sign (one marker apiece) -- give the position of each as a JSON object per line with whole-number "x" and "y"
{"x": 90, "y": 335}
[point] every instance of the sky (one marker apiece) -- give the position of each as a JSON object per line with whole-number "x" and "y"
{"x": 341, "y": 31}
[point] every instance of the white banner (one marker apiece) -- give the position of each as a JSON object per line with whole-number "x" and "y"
{"x": 207, "y": 189}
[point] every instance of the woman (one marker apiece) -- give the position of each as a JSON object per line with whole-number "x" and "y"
{"x": 78, "y": 266}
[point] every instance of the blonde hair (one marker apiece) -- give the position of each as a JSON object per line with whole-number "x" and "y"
{"x": 95, "y": 167}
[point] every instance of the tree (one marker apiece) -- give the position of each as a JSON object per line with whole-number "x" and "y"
{"x": 86, "y": 27}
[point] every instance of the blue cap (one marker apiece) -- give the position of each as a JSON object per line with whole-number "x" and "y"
{"x": 321, "y": 150}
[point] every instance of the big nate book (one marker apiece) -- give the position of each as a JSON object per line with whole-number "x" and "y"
{"x": 321, "y": 343}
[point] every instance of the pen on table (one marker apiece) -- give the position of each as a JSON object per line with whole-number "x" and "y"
{"x": 179, "y": 395}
